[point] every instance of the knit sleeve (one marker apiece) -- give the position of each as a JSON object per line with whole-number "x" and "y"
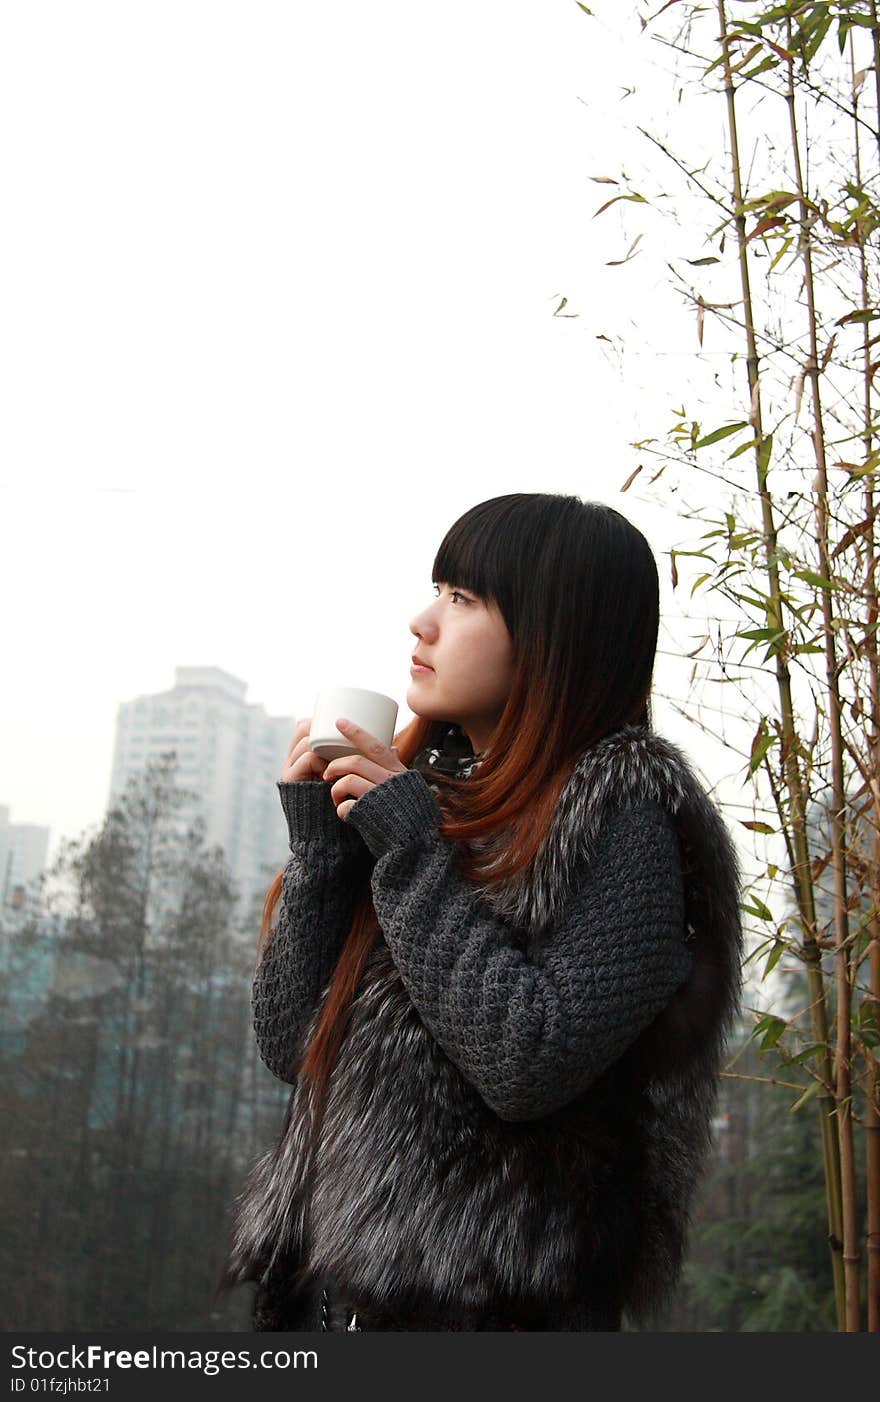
{"x": 530, "y": 1031}
{"x": 319, "y": 886}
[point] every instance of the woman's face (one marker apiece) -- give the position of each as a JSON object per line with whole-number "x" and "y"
{"x": 466, "y": 643}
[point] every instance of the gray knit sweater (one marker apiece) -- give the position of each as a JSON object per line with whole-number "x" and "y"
{"x": 530, "y": 1030}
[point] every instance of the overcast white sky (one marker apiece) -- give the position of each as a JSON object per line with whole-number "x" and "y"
{"x": 277, "y": 307}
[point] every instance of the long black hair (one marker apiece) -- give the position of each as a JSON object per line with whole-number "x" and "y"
{"x": 578, "y": 588}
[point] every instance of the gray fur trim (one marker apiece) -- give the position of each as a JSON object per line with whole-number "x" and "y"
{"x": 623, "y": 769}
{"x": 419, "y": 1190}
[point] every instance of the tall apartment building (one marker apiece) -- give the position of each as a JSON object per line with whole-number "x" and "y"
{"x": 229, "y": 752}
{"x": 23, "y": 851}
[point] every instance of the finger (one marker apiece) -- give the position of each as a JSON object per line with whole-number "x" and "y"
{"x": 368, "y": 744}
{"x": 355, "y": 764}
{"x": 349, "y": 786}
{"x": 303, "y": 763}
{"x": 300, "y": 748}
{"x": 302, "y": 729}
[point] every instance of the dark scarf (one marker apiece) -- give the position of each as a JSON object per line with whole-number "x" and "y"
{"x": 450, "y": 752}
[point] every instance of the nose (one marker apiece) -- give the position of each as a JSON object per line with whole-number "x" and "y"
{"x": 423, "y": 625}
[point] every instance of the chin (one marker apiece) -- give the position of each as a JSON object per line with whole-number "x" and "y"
{"x": 421, "y": 706}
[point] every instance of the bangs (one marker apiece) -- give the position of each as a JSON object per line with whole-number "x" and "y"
{"x": 461, "y": 569}
{"x": 480, "y": 551}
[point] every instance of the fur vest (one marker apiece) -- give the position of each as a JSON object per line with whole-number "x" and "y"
{"x": 418, "y": 1190}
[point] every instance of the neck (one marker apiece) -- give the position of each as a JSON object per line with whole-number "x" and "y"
{"x": 479, "y": 740}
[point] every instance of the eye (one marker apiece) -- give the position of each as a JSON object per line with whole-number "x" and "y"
{"x": 453, "y": 592}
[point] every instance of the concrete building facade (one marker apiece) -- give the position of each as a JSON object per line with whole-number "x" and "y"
{"x": 23, "y": 851}
{"x": 229, "y": 755}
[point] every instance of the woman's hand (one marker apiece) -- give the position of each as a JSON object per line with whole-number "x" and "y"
{"x": 356, "y": 774}
{"x": 302, "y": 762}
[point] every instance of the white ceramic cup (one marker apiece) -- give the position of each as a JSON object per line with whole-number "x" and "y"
{"x": 371, "y": 709}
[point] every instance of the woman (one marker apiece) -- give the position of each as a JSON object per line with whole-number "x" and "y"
{"x": 506, "y": 961}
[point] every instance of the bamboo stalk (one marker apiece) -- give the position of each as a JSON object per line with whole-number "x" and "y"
{"x": 849, "y": 1193}
{"x": 872, "y": 1090}
{"x": 804, "y": 894}
{"x": 875, "y": 42}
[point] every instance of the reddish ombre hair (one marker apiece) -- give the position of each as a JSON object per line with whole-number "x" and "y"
{"x": 577, "y": 586}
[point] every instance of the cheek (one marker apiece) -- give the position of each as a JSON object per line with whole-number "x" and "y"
{"x": 504, "y": 674}
{"x": 491, "y": 667}
{"x": 501, "y": 653}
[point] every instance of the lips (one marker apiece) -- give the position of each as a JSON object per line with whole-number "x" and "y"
{"x": 418, "y": 662}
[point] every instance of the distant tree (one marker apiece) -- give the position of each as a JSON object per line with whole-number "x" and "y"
{"x": 135, "y": 1095}
{"x": 758, "y": 1259}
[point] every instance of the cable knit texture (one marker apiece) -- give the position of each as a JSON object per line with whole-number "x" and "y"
{"x": 530, "y": 1033}
{"x": 520, "y": 1108}
{"x": 530, "y": 1030}
{"x": 318, "y": 892}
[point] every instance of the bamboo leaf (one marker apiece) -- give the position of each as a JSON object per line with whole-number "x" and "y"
{"x": 757, "y": 826}
{"x": 777, "y": 49}
{"x": 774, "y": 958}
{"x": 664, "y": 8}
{"x": 636, "y": 199}
{"x": 747, "y": 28}
{"x": 618, "y": 262}
{"x": 774, "y": 202}
{"x": 760, "y": 745}
{"x": 762, "y": 67}
{"x": 862, "y": 316}
{"x": 828, "y": 352}
{"x": 757, "y": 908}
{"x": 818, "y": 20}
{"x": 812, "y": 1089}
{"x": 760, "y": 635}
{"x": 761, "y": 601}
{"x": 771, "y": 1029}
{"x": 719, "y": 433}
{"x": 746, "y": 58}
{"x": 786, "y": 245}
{"x": 850, "y": 535}
{"x": 865, "y": 1025}
{"x": 631, "y": 478}
{"x": 560, "y": 312}
{"x": 772, "y": 221}
{"x": 817, "y": 580}
{"x": 743, "y": 448}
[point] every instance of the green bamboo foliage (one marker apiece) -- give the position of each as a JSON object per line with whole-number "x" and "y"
{"x": 788, "y": 280}
{"x": 863, "y": 225}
